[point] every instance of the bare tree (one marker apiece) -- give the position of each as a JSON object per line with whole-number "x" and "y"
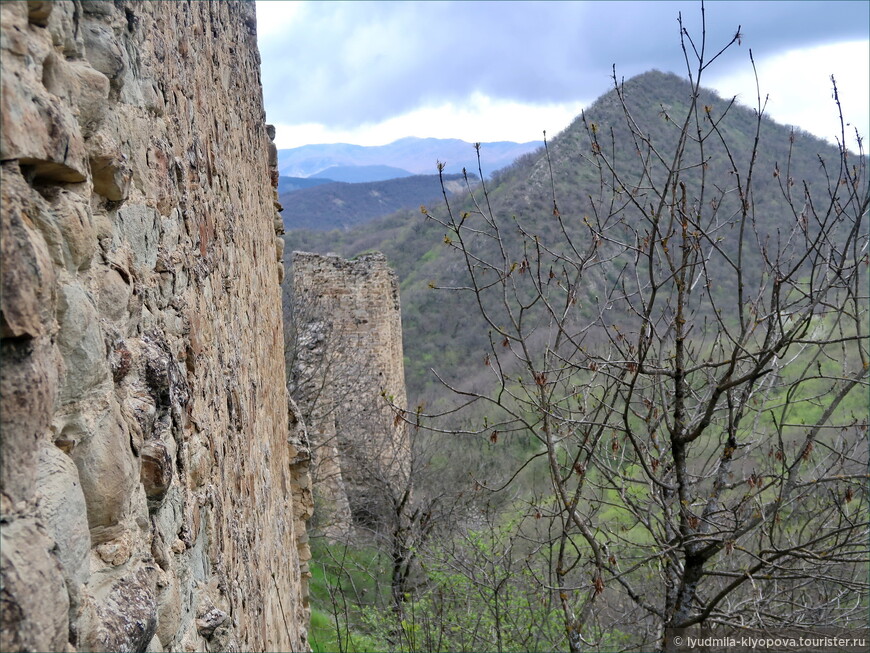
{"x": 689, "y": 364}
{"x": 365, "y": 466}
{"x": 315, "y": 358}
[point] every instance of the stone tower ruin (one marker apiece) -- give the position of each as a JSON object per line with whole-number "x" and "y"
{"x": 349, "y": 377}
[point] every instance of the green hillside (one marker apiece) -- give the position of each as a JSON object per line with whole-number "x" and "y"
{"x": 651, "y": 413}
{"x": 441, "y": 328}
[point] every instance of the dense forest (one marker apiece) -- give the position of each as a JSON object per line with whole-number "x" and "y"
{"x": 637, "y": 372}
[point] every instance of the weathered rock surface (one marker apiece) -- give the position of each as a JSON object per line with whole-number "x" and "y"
{"x": 33, "y": 597}
{"x": 62, "y": 509}
{"x": 154, "y": 486}
{"x": 348, "y": 369}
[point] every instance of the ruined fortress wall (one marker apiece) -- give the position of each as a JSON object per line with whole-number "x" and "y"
{"x": 154, "y": 484}
{"x": 316, "y": 369}
{"x": 357, "y": 302}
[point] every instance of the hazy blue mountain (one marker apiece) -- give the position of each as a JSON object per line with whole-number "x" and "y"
{"x": 361, "y": 174}
{"x": 415, "y": 155}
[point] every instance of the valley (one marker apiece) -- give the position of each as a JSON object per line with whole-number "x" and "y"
{"x": 599, "y": 390}
{"x": 628, "y": 356}
{"x": 342, "y": 205}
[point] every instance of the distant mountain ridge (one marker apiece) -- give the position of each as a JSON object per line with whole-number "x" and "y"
{"x": 451, "y": 336}
{"x": 292, "y": 184}
{"x": 417, "y": 156}
{"x": 361, "y": 174}
{"x": 340, "y": 205}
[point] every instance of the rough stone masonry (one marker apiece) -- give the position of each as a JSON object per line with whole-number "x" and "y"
{"x": 348, "y": 370}
{"x": 154, "y": 482}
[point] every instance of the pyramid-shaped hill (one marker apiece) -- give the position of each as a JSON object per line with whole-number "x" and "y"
{"x": 657, "y": 103}
{"x": 443, "y": 330}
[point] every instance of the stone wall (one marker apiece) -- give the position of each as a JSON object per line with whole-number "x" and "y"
{"x": 317, "y": 368}
{"x": 154, "y": 483}
{"x": 349, "y": 369}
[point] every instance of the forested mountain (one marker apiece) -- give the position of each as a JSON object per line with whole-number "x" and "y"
{"x": 340, "y": 205}
{"x": 441, "y": 328}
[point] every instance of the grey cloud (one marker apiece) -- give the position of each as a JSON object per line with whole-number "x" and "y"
{"x": 343, "y": 64}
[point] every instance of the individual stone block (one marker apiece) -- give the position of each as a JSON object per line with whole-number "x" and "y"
{"x": 110, "y": 169}
{"x": 139, "y": 226}
{"x": 27, "y": 300}
{"x": 209, "y": 621}
{"x": 81, "y": 343}
{"x": 62, "y": 26}
{"x": 72, "y": 214}
{"x": 113, "y": 292}
{"x": 32, "y": 592}
{"x": 103, "y": 51}
{"x": 14, "y": 16}
{"x": 156, "y": 474}
{"x": 121, "y": 615}
{"x": 38, "y": 11}
{"x": 96, "y": 8}
{"x": 118, "y": 550}
{"x": 81, "y": 86}
{"x": 37, "y": 127}
{"x": 90, "y": 94}
{"x": 111, "y": 176}
{"x": 62, "y": 508}
{"x": 100, "y": 446}
{"x": 28, "y": 385}
{"x": 169, "y": 608}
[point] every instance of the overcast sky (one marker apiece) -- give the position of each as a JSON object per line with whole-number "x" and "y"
{"x": 370, "y": 73}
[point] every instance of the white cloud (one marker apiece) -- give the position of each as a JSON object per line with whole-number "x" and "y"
{"x": 480, "y": 118}
{"x": 373, "y": 72}
{"x": 275, "y": 18}
{"x": 798, "y": 83}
